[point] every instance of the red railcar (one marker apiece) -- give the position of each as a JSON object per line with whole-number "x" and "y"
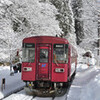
{"x": 48, "y": 63}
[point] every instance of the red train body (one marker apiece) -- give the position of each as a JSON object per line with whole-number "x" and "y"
{"x": 47, "y": 62}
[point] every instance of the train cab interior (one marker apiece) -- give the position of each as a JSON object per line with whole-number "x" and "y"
{"x": 60, "y": 53}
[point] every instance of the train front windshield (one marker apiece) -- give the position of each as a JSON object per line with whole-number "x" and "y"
{"x": 60, "y": 53}
{"x": 28, "y": 52}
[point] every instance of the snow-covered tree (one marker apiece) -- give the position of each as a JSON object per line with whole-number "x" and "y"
{"x": 38, "y": 16}
{"x": 77, "y": 10}
{"x": 89, "y": 25}
{"x": 20, "y": 19}
{"x": 98, "y": 47}
{"x": 65, "y": 18}
{"x": 85, "y": 14}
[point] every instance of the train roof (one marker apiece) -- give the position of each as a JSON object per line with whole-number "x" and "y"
{"x": 45, "y": 39}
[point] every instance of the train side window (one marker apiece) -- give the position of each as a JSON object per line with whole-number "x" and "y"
{"x": 66, "y": 53}
{"x": 28, "y": 53}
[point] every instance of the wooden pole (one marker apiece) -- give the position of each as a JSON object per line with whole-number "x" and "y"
{"x": 3, "y": 84}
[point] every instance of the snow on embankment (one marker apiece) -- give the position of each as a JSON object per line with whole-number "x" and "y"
{"x": 12, "y": 83}
{"x": 91, "y": 91}
{"x": 86, "y": 85}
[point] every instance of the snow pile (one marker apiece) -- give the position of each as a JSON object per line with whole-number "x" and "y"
{"x": 92, "y": 89}
{"x": 82, "y": 67}
{"x": 4, "y": 71}
{"x": 86, "y": 85}
{"x": 12, "y": 83}
{"x": 84, "y": 59}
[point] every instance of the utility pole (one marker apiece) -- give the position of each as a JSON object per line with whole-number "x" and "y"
{"x": 98, "y": 40}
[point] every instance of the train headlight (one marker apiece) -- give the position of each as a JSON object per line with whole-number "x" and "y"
{"x": 59, "y": 70}
{"x": 27, "y": 69}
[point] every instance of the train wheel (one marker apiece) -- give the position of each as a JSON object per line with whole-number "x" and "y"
{"x": 60, "y": 92}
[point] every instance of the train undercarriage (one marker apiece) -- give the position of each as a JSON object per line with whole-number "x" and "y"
{"x": 46, "y": 88}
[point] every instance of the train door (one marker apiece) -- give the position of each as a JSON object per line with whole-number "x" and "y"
{"x": 43, "y": 62}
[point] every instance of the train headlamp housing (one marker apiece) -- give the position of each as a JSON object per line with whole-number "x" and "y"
{"x": 27, "y": 69}
{"x": 59, "y": 70}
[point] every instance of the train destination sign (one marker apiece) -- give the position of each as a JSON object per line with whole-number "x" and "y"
{"x": 29, "y": 45}
{"x": 58, "y": 45}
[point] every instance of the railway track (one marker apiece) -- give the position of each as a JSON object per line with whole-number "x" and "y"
{"x": 21, "y": 95}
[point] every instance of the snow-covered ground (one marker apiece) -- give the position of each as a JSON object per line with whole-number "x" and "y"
{"x": 86, "y": 85}
{"x": 12, "y": 83}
